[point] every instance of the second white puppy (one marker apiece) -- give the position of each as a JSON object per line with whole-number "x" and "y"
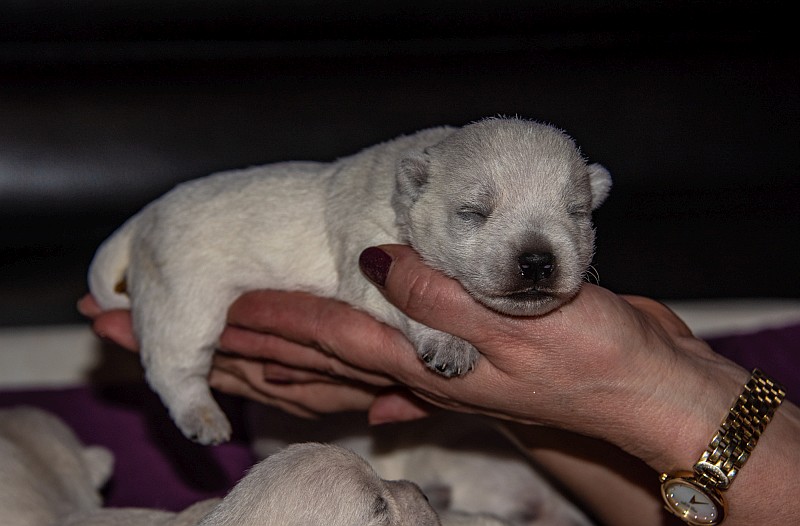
{"x": 502, "y": 205}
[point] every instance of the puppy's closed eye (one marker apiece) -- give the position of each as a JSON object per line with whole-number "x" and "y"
{"x": 472, "y": 214}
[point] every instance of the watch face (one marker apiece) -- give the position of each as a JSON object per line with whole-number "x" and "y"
{"x": 691, "y": 503}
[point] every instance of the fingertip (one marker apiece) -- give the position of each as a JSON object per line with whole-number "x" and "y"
{"x": 396, "y": 406}
{"x": 88, "y": 306}
{"x": 376, "y": 262}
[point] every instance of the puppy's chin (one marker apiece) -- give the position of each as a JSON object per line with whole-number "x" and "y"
{"x": 524, "y": 303}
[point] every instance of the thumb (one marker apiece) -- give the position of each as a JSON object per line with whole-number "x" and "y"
{"x": 423, "y": 293}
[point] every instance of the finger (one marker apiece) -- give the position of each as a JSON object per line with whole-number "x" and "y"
{"x": 115, "y": 325}
{"x": 251, "y": 343}
{"x": 232, "y": 384}
{"x": 303, "y": 318}
{"x": 274, "y": 372}
{"x": 88, "y": 306}
{"x": 274, "y": 348}
{"x": 322, "y": 397}
{"x": 326, "y": 324}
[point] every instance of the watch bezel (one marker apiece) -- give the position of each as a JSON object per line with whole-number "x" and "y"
{"x": 688, "y": 477}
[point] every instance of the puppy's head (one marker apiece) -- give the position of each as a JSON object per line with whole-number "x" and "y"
{"x": 313, "y": 484}
{"x": 504, "y": 206}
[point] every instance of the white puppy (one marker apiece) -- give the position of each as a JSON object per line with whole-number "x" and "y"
{"x": 46, "y": 473}
{"x": 308, "y": 484}
{"x": 49, "y": 478}
{"x": 312, "y": 484}
{"x": 465, "y": 465}
{"x": 502, "y": 205}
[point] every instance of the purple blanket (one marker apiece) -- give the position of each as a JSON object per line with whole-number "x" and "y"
{"x": 157, "y": 468}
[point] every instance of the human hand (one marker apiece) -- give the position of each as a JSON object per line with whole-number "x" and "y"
{"x": 607, "y": 366}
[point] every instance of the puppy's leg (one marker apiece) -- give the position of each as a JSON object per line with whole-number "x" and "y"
{"x": 178, "y": 332}
{"x": 446, "y": 354}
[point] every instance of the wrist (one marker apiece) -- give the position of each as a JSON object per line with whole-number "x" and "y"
{"x": 680, "y": 406}
{"x": 697, "y": 496}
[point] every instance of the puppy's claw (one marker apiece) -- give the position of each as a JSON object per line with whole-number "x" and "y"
{"x": 446, "y": 354}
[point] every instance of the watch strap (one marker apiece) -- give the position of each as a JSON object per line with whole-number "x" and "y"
{"x": 739, "y": 432}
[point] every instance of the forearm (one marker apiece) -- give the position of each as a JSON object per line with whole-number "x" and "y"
{"x": 611, "y": 486}
{"x": 765, "y": 488}
{"x": 612, "y": 483}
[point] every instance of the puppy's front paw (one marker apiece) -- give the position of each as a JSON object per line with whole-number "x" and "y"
{"x": 444, "y": 353}
{"x": 204, "y": 423}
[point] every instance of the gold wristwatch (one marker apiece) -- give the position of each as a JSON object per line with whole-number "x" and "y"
{"x": 696, "y": 496}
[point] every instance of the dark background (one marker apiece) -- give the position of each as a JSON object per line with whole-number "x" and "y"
{"x": 692, "y": 106}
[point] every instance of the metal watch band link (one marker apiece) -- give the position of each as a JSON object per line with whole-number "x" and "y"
{"x": 739, "y": 432}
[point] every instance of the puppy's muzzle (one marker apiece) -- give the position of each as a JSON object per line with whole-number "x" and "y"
{"x": 535, "y": 267}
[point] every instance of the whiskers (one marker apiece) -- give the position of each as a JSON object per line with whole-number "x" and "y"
{"x": 591, "y": 275}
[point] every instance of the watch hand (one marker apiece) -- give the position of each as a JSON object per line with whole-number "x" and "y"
{"x": 693, "y": 501}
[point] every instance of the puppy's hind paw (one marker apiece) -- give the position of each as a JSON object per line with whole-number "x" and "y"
{"x": 205, "y": 424}
{"x": 446, "y": 354}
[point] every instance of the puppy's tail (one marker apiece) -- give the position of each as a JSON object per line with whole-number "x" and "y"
{"x": 107, "y": 270}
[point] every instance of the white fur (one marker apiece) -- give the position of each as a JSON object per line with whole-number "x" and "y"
{"x": 312, "y": 484}
{"x": 307, "y": 484}
{"x": 49, "y": 478}
{"x": 470, "y": 200}
{"x": 468, "y": 469}
{"x": 46, "y": 473}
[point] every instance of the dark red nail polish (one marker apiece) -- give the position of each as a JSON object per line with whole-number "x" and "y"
{"x": 375, "y": 264}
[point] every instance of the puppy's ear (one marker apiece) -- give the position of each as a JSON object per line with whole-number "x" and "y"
{"x": 412, "y": 176}
{"x": 600, "y": 181}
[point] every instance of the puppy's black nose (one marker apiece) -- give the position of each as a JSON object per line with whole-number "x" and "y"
{"x": 536, "y": 266}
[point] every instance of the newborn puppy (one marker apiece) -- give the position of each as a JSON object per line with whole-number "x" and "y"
{"x": 502, "y": 205}
{"x": 46, "y": 473}
{"x": 312, "y": 484}
{"x": 467, "y": 466}
{"x": 307, "y": 484}
{"x": 49, "y": 478}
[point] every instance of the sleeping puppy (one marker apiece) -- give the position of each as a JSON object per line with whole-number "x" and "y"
{"x": 46, "y": 473}
{"x": 49, "y": 478}
{"x": 312, "y": 484}
{"x": 466, "y": 466}
{"x": 502, "y": 205}
{"x": 308, "y": 484}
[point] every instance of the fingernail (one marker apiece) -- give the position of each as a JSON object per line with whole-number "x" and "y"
{"x": 375, "y": 264}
